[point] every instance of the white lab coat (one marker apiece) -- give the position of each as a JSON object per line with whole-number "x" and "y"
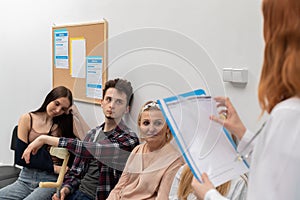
{"x": 274, "y": 171}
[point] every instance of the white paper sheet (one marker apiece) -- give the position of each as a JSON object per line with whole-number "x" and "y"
{"x": 205, "y": 145}
{"x": 78, "y": 53}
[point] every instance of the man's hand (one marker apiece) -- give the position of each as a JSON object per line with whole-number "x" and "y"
{"x": 63, "y": 193}
{"x": 33, "y": 147}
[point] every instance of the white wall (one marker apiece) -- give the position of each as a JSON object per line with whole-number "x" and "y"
{"x": 230, "y": 33}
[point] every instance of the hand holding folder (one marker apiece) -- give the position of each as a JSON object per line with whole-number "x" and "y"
{"x": 205, "y": 144}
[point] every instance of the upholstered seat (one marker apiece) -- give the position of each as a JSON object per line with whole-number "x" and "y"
{"x": 10, "y": 173}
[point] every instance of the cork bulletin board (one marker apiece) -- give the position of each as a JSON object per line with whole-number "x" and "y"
{"x": 94, "y": 36}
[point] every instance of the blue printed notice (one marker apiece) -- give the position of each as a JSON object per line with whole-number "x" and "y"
{"x": 94, "y": 77}
{"x": 61, "y": 48}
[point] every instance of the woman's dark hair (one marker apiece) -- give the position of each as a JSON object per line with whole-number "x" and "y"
{"x": 64, "y": 121}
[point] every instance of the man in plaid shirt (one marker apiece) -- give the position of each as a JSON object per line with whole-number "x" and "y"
{"x": 102, "y": 155}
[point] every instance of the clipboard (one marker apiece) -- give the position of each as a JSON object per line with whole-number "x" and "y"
{"x": 205, "y": 145}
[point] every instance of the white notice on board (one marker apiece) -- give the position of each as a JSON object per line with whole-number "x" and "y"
{"x": 78, "y": 52}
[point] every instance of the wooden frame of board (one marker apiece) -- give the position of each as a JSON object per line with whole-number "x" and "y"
{"x": 95, "y": 35}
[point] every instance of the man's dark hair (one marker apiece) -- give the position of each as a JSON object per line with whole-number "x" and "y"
{"x": 121, "y": 85}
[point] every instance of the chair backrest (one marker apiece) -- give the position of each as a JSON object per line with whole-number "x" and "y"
{"x": 13, "y": 142}
{"x": 10, "y": 173}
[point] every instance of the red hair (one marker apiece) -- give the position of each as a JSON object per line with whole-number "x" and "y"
{"x": 280, "y": 76}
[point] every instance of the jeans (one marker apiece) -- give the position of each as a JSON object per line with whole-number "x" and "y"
{"x": 27, "y": 186}
{"x": 78, "y": 195}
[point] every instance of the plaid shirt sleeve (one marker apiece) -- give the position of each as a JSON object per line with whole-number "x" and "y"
{"x": 73, "y": 176}
{"x": 112, "y": 151}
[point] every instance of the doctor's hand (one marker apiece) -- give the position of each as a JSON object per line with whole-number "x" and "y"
{"x": 229, "y": 117}
{"x": 200, "y": 189}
